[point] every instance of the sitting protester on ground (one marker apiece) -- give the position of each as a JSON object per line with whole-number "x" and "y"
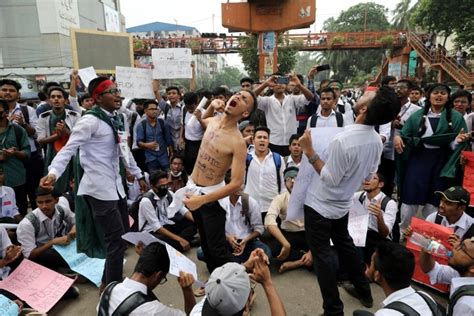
{"x": 134, "y": 296}
{"x": 8, "y": 208}
{"x": 177, "y": 175}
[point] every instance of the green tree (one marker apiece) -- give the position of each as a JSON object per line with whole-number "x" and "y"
{"x": 361, "y": 17}
{"x": 228, "y": 76}
{"x": 249, "y": 54}
{"x": 402, "y": 15}
{"x": 447, "y": 17}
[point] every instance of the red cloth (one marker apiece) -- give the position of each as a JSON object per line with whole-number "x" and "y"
{"x": 104, "y": 85}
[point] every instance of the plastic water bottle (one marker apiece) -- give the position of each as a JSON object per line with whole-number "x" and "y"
{"x": 430, "y": 245}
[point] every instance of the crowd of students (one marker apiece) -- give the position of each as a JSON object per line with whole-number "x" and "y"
{"x": 111, "y": 158}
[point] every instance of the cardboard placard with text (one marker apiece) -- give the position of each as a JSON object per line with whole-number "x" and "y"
{"x": 440, "y": 233}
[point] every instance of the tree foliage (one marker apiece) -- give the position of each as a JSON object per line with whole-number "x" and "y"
{"x": 350, "y": 63}
{"x": 227, "y": 76}
{"x": 402, "y": 14}
{"x": 447, "y": 17}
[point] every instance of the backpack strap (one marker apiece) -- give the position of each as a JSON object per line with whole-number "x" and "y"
{"x": 18, "y": 135}
{"x": 151, "y": 197}
{"x": 168, "y": 197}
{"x": 105, "y": 299}
{"x": 403, "y": 308}
{"x": 432, "y": 304}
{"x": 277, "y": 160}
{"x": 384, "y": 203}
{"x": 464, "y": 290}
{"x": 245, "y": 207}
{"x": 34, "y": 221}
{"x": 133, "y": 301}
{"x": 362, "y": 197}
{"x": 162, "y": 126}
{"x": 339, "y": 119}
{"x": 248, "y": 160}
{"x": 313, "y": 120}
{"x": 143, "y": 122}
{"x": 25, "y": 113}
{"x": 438, "y": 219}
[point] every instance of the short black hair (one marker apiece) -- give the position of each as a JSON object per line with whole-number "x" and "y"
{"x": 154, "y": 258}
{"x": 255, "y": 102}
{"x": 462, "y": 93}
{"x": 408, "y": 82}
{"x": 190, "y": 98}
{"x": 83, "y": 97}
{"x": 57, "y": 88}
{"x": 386, "y": 79}
{"x": 43, "y": 191}
{"x": 173, "y": 88}
{"x": 416, "y": 88}
{"x": 300, "y": 78}
{"x": 395, "y": 263}
{"x": 148, "y": 102}
{"x": 4, "y": 105}
{"x": 42, "y": 96}
{"x": 94, "y": 83}
{"x": 246, "y": 79}
{"x": 383, "y": 108}
{"x": 48, "y": 85}
{"x": 157, "y": 176}
{"x": 204, "y": 93}
{"x": 219, "y": 91}
{"x": 294, "y": 137}
{"x": 176, "y": 156}
{"x": 10, "y": 82}
{"x": 381, "y": 176}
{"x": 328, "y": 90}
{"x": 262, "y": 128}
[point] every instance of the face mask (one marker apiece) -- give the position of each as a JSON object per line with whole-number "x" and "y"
{"x": 161, "y": 192}
{"x": 176, "y": 174}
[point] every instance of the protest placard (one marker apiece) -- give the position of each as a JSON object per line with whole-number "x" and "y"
{"x": 437, "y": 232}
{"x": 172, "y": 63}
{"x": 91, "y": 268}
{"x": 86, "y": 75}
{"x": 8, "y": 307}
{"x": 40, "y": 287}
{"x": 179, "y": 262}
{"x": 358, "y": 223}
{"x": 307, "y": 176}
{"x": 134, "y": 82}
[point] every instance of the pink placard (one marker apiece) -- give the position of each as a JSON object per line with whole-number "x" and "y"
{"x": 40, "y": 287}
{"x": 130, "y": 221}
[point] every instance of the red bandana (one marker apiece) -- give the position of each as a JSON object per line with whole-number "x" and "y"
{"x": 104, "y": 85}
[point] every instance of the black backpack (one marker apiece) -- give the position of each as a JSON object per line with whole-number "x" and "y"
{"x": 407, "y": 310}
{"x": 162, "y": 126}
{"x": 339, "y": 120}
{"x": 127, "y": 306}
{"x": 383, "y": 205}
{"x": 133, "y": 210}
{"x": 464, "y": 290}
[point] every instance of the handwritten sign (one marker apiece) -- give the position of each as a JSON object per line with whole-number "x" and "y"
{"x": 468, "y": 182}
{"x": 179, "y": 262}
{"x": 438, "y": 232}
{"x": 91, "y": 268}
{"x": 358, "y": 223}
{"x": 172, "y": 63}
{"x": 87, "y": 74}
{"x": 8, "y": 307}
{"x": 40, "y": 287}
{"x": 134, "y": 82}
{"x": 307, "y": 176}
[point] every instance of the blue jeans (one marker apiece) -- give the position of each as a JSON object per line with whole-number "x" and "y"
{"x": 251, "y": 246}
{"x": 158, "y": 164}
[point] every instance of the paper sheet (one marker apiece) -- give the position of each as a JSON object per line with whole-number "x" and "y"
{"x": 8, "y": 307}
{"x": 358, "y": 223}
{"x": 87, "y": 74}
{"x": 135, "y": 237}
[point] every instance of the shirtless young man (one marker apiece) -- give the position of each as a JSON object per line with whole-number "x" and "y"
{"x": 222, "y": 148}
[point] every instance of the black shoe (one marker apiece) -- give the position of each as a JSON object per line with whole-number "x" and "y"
{"x": 72, "y": 292}
{"x": 351, "y": 290}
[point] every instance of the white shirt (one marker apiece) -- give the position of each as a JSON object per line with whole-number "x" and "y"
{"x": 5, "y": 242}
{"x": 291, "y": 163}
{"x": 151, "y": 219}
{"x": 409, "y": 297}
{"x": 389, "y": 215}
{"x": 43, "y": 129}
{"x": 49, "y": 228}
{"x": 123, "y": 290}
{"x": 281, "y": 117}
{"x": 99, "y": 156}
{"x": 465, "y": 304}
{"x": 442, "y": 273}
{"x": 353, "y": 156}
{"x": 348, "y": 112}
{"x": 459, "y": 228}
{"x": 469, "y": 122}
{"x": 326, "y": 121}
{"x": 235, "y": 224}
{"x": 33, "y": 118}
{"x": 8, "y": 207}
{"x": 197, "y": 309}
{"x": 192, "y": 130}
{"x": 262, "y": 183}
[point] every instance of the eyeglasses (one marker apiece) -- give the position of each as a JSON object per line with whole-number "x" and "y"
{"x": 112, "y": 91}
{"x": 462, "y": 247}
{"x": 163, "y": 281}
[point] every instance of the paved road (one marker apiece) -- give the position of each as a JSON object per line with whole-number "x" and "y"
{"x": 298, "y": 289}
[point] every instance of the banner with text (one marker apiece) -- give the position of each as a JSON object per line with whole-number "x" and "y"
{"x": 172, "y": 63}
{"x": 134, "y": 82}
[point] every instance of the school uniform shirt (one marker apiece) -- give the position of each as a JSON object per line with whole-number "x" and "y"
{"x": 353, "y": 156}
{"x": 150, "y": 219}
{"x": 460, "y": 227}
{"x": 291, "y": 163}
{"x": 262, "y": 182}
{"x": 326, "y": 121}
{"x": 235, "y": 224}
{"x": 43, "y": 129}
{"x": 50, "y": 228}
{"x": 8, "y": 207}
{"x": 279, "y": 208}
{"x": 407, "y": 296}
{"x": 33, "y": 118}
{"x": 389, "y": 215}
{"x": 174, "y": 118}
{"x": 405, "y": 112}
{"x": 99, "y": 155}
{"x": 348, "y": 112}
{"x": 123, "y": 290}
{"x": 5, "y": 242}
{"x": 281, "y": 117}
{"x": 193, "y": 130}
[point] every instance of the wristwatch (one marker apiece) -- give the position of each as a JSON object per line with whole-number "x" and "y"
{"x": 313, "y": 159}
